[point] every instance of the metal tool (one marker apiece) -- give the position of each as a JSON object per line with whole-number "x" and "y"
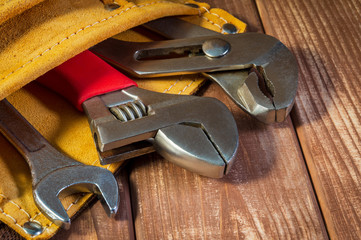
{"x": 239, "y": 63}
{"x": 53, "y": 174}
{"x": 196, "y": 133}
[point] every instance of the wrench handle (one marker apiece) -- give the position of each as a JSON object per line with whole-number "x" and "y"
{"x": 84, "y": 76}
{"x": 18, "y": 130}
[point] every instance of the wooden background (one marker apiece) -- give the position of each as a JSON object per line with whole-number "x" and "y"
{"x": 295, "y": 180}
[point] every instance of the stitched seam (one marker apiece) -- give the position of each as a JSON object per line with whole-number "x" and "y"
{"x": 35, "y": 216}
{"x": 171, "y": 86}
{"x": 67, "y": 209}
{"x": 81, "y": 29}
{"x": 215, "y": 14}
{"x": 12, "y": 218}
{"x": 14, "y": 203}
{"x": 215, "y": 24}
{"x": 181, "y": 91}
{"x": 175, "y": 83}
{"x": 75, "y": 202}
{"x": 44, "y": 228}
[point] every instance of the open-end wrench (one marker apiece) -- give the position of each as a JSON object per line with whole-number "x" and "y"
{"x": 197, "y": 133}
{"x": 239, "y": 63}
{"x": 53, "y": 174}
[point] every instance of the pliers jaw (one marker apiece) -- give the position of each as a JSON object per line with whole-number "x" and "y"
{"x": 197, "y": 133}
{"x": 267, "y": 89}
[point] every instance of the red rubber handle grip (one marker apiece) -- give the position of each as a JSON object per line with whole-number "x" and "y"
{"x": 83, "y": 77}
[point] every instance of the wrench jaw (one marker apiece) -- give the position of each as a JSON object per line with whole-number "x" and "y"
{"x": 197, "y": 133}
{"x": 75, "y": 179}
{"x": 180, "y": 145}
{"x": 55, "y": 212}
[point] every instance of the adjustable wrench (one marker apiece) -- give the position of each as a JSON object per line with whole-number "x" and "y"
{"x": 196, "y": 133}
{"x": 239, "y": 63}
{"x": 54, "y": 174}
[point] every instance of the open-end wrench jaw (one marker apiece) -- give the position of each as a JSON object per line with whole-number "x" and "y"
{"x": 74, "y": 179}
{"x": 197, "y": 133}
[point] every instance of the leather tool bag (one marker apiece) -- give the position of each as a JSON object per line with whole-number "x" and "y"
{"x": 38, "y": 35}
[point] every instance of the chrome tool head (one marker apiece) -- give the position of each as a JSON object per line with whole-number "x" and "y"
{"x": 197, "y": 133}
{"x": 266, "y": 86}
{"x": 74, "y": 179}
{"x": 257, "y": 71}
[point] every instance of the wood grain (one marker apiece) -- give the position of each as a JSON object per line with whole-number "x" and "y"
{"x": 325, "y": 36}
{"x": 267, "y": 194}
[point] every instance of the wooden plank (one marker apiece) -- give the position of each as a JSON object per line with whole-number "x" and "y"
{"x": 266, "y": 195}
{"x": 94, "y": 223}
{"x": 325, "y": 37}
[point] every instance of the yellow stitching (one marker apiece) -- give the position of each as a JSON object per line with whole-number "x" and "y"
{"x": 15, "y": 221}
{"x": 2, "y": 211}
{"x": 206, "y": 9}
{"x": 93, "y": 163}
{"x": 46, "y": 227}
{"x": 224, "y": 20}
{"x": 35, "y": 216}
{"x": 171, "y": 86}
{"x": 175, "y": 83}
{"x": 215, "y": 14}
{"x": 75, "y": 202}
{"x": 6, "y": 198}
{"x": 21, "y": 209}
{"x": 187, "y": 86}
{"x": 67, "y": 209}
{"x": 215, "y": 24}
{"x": 81, "y": 29}
{"x": 25, "y": 212}
{"x": 12, "y": 218}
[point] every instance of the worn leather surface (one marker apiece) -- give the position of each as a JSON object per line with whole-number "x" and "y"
{"x": 39, "y": 35}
